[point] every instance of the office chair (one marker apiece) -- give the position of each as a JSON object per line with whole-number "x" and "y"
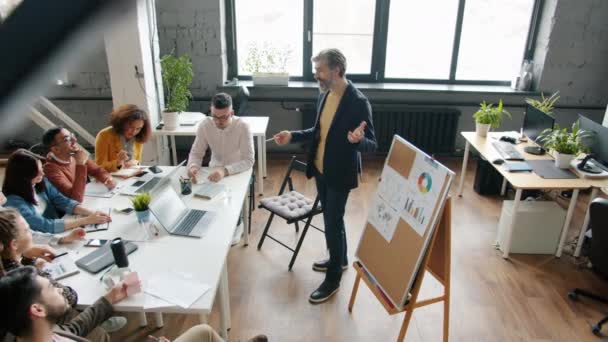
{"x": 241, "y": 100}
{"x": 293, "y": 207}
{"x": 598, "y": 255}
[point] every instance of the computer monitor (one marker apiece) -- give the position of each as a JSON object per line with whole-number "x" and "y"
{"x": 597, "y": 142}
{"x": 536, "y": 121}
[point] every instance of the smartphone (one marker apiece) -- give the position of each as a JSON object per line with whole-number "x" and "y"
{"x": 95, "y": 243}
{"x": 155, "y": 169}
{"x": 127, "y": 210}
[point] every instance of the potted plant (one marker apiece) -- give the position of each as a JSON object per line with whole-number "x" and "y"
{"x": 268, "y": 64}
{"x": 566, "y": 145}
{"x": 141, "y": 203}
{"x": 177, "y": 76}
{"x": 546, "y": 104}
{"x": 488, "y": 117}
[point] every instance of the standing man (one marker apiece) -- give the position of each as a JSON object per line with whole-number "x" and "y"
{"x": 68, "y": 165}
{"x": 231, "y": 143}
{"x": 342, "y": 129}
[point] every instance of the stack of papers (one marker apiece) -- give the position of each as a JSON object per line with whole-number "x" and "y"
{"x": 176, "y": 289}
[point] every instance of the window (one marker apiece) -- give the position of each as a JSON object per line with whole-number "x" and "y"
{"x": 431, "y": 41}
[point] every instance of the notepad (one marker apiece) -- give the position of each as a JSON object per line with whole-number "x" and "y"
{"x": 209, "y": 190}
{"x": 129, "y": 172}
{"x": 61, "y": 267}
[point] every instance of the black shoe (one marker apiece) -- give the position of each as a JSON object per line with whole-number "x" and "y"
{"x": 324, "y": 292}
{"x": 321, "y": 266}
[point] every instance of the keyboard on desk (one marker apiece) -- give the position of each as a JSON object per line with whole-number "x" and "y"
{"x": 189, "y": 222}
{"x": 507, "y": 151}
{"x": 149, "y": 185}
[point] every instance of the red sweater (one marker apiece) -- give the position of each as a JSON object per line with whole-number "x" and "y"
{"x": 71, "y": 179}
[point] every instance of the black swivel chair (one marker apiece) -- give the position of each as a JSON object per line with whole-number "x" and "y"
{"x": 598, "y": 255}
{"x": 241, "y": 100}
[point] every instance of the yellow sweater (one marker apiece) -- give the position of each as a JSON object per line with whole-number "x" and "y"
{"x": 107, "y": 147}
{"x": 327, "y": 116}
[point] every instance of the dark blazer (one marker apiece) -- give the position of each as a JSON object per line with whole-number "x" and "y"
{"x": 340, "y": 162}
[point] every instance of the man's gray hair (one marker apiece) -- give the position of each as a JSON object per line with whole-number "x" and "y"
{"x": 334, "y": 58}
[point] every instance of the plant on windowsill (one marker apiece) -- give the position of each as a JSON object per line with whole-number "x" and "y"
{"x": 268, "y": 64}
{"x": 177, "y": 76}
{"x": 141, "y": 204}
{"x": 488, "y": 117}
{"x": 546, "y": 104}
{"x": 566, "y": 145}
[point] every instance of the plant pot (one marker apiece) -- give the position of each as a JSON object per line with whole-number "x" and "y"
{"x": 482, "y": 129}
{"x": 270, "y": 78}
{"x": 171, "y": 120}
{"x": 143, "y": 216}
{"x": 562, "y": 161}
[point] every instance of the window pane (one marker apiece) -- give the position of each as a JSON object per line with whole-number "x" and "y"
{"x": 420, "y": 38}
{"x": 349, "y": 26}
{"x": 493, "y": 39}
{"x": 272, "y": 32}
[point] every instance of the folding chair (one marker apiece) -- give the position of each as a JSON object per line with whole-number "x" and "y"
{"x": 293, "y": 207}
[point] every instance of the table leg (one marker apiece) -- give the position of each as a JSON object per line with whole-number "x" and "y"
{"x": 143, "y": 321}
{"x": 264, "y": 163}
{"x": 260, "y": 165}
{"x": 174, "y": 150}
{"x": 503, "y": 189}
{"x": 224, "y": 303}
{"x": 244, "y": 213}
{"x": 465, "y": 160}
{"x": 204, "y": 318}
{"x": 507, "y": 245}
{"x": 581, "y": 235}
{"x": 562, "y": 240}
{"x": 158, "y": 317}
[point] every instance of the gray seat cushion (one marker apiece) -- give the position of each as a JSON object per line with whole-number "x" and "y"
{"x": 289, "y": 205}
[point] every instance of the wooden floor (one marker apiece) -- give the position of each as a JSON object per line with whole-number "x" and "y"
{"x": 520, "y": 299}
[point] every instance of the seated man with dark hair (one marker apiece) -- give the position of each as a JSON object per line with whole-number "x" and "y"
{"x": 68, "y": 165}
{"x": 32, "y": 306}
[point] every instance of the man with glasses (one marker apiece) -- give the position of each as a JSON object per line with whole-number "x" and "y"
{"x": 68, "y": 165}
{"x": 231, "y": 143}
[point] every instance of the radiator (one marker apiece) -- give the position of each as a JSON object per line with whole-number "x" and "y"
{"x": 432, "y": 129}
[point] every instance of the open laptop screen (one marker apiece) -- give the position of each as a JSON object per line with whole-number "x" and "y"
{"x": 167, "y": 206}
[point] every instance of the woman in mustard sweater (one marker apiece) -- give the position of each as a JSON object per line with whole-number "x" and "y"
{"x": 121, "y": 144}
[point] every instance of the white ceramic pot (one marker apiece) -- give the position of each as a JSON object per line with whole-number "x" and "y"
{"x": 270, "y": 78}
{"x": 482, "y": 129}
{"x": 171, "y": 120}
{"x": 562, "y": 161}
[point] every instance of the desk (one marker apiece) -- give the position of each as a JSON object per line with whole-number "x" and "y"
{"x": 257, "y": 124}
{"x": 521, "y": 180}
{"x": 204, "y": 259}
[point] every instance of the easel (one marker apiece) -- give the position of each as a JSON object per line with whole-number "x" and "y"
{"x": 436, "y": 261}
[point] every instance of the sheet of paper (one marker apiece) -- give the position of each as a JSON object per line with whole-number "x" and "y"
{"x": 97, "y": 189}
{"x": 383, "y": 217}
{"x": 422, "y": 193}
{"x": 392, "y": 187}
{"x": 176, "y": 289}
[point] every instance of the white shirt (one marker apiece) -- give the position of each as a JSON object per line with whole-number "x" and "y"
{"x": 231, "y": 147}
{"x": 41, "y": 207}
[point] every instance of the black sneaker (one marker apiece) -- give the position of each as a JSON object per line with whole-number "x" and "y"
{"x": 321, "y": 266}
{"x": 324, "y": 292}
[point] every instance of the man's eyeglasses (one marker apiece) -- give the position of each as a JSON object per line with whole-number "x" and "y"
{"x": 68, "y": 138}
{"x": 220, "y": 118}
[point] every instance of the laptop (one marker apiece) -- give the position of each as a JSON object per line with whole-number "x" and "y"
{"x": 147, "y": 183}
{"x": 173, "y": 214}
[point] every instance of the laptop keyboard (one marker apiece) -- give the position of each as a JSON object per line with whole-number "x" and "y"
{"x": 189, "y": 222}
{"x": 149, "y": 186}
{"x": 507, "y": 151}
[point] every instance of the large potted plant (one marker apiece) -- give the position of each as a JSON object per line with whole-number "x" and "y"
{"x": 141, "y": 204}
{"x": 488, "y": 117}
{"x": 566, "y": 145}
{"x": 545, "y": 104}
{"x": 177, "y": 76}
{"x": 268, "y": 64}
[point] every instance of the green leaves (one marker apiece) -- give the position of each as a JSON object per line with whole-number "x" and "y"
{"x": 488, "y": 114}
{"x": 546, "y": 105}
{"x": 177, "y": 76}
{"x": 141, "y": 201}
{"x": 560, "y": 140}
{"x": 267, "y": 58}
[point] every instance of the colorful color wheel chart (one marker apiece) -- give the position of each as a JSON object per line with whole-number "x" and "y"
{"x": 425, "y": 182}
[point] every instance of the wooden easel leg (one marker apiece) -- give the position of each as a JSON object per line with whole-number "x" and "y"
{"x": 446, "y": 318}
{"x": 406, "y": 323}
{"x": 353, "y": 294}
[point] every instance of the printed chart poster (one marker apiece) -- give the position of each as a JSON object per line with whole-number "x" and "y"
{"x": 422, "y": 192}
{"x": 383, "y": 217}
{"x": 390, "y": 198}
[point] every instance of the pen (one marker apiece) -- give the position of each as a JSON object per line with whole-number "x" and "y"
{"x": 270, "y": 139}
{"x": 60, "y": 255}
{"x": 154, "y": 338}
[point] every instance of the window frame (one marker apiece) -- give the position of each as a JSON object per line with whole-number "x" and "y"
{"x": 378, "y": 60}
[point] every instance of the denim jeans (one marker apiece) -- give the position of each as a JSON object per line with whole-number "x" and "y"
{"x": 334, "y": 203}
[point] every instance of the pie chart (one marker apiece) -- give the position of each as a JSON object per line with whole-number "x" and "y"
{"x": 425, "y": 182}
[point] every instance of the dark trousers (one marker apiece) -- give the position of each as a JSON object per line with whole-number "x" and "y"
{"x": 334, "y": 202}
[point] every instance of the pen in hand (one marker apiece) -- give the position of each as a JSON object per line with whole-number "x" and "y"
{"x": 59, "y": 255}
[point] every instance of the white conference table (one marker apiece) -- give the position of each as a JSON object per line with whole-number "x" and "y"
{"x": 258, "y": 125}
{"x": 204, "y": 259}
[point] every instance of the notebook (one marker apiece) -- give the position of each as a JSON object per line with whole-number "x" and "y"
{"x": 61, "y": 267}
{"x": 517, "y": 166}
{"x": 209, "y": 190}
{"x": 129, "y": 172}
